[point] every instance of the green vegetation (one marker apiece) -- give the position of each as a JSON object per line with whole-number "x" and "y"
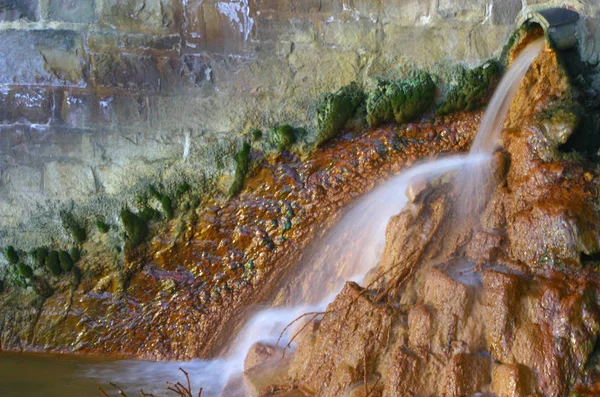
{"x": 102, "y": 227}
{"x": 25, "y": 270}
{"x": 76, "y": 231}
{"x": 242, "y": 167}
{"x": 40, "y": 255}
{"x": 256, "y": 134}
{"x": 11, "y": 255}
{"x": 334, "y": 111}
{"x": 283, "y": 136}
{"x": 167, "y": 206}
{"x": 66, "y": 263}
{"x": 183, "y": 189}
{"x": 53, "y": 263}
{"x": 136, "y": 228}
{"x": 75, "y": 254}
{"x": 149, "y": 214}
{"x": 400, "y": 101}
{"x": 472, "y": 89}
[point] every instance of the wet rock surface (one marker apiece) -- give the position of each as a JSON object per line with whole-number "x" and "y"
{"x": 186, "y": 292}
{"x": 503, "y": 302}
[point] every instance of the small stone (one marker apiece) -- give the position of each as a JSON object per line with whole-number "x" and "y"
{"x": 73, "y": 11}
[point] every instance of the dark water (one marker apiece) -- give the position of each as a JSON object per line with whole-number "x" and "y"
{"x": 33, "y": 375}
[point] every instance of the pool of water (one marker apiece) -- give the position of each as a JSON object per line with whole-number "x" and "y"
{"x": 37, "y": 375}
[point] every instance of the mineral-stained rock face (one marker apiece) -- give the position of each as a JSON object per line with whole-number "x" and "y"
{"x": 503, "y": 302}
{"x": 183, "y": 294}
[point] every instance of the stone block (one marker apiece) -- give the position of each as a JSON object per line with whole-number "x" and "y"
{"x": 357, "y": 34}
{"x": 478, "y": 368}
{"x": 145, "y": 16}
{"x": 407, "y": 12}
{"x": 510, "y": 380}
{"x": 130, "y": 72}
{"x": 83, "y": 109}
{"x": 76, "y": 11}
{"x": 222, "y": 26}
{"x": 15, "y": 10}
{"x": 505, "y": 12}
{"x": 462, "y": 10}
{"x": 180, "y": 75}
{"x": 287, "y": 27}
{"x": 44, "y": 57}
{"x": 113, "y": 42}
{"x": 18, "y": 180}
{"x": 131, "y": 110}
{"x": 25, "y": 106}
{"x": 68, "y": 181}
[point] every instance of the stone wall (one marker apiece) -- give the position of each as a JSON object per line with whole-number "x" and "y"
{"x": 100, "y": 96}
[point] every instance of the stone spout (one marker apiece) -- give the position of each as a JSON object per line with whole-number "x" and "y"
{"x": 558, "y": 23}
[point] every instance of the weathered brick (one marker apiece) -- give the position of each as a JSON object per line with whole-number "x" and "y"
{"x": 113, "y": 42}
{"x": 132, "y": 72}
{"x": 304, "y": 6}
{"x": 14, "y": 10}
{"x": 222, "y": 26}
{"x": 407, "y": 12}
{"x": 505, "y": 12}
{"x": 72, "y": 11}
{"x": 44, "y": 57}
{"x": 361, "y": 33}
{"x": 25, "y": 105}
{"x": 83, "y": 109}
{"x": 147, "y": 16}
{"x": 184, "y": 73}
{"x": 273, "y": 26}
{"x": 66, "y": 180}
{"x": 131, "y": 110}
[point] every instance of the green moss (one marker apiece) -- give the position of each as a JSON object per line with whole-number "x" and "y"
{"x": 11, "y": 255}
{"x": 40, "y": 255}
{"x": 76, "y": 272}
{"x": 75, "y": 254}
{"x": 400, "y": 101}
{"x": 153, "y": 192}
{"x": 334, "y": 111}
{"x": 149, "y": 214}
{"x": 167, "y": 206}
{"x": 66, "y": 263}
{"x": 135, "y": 227}
{"x": 472, "y": 89}
{"x": 283, "y": 136}
{"x": 72, "y": 227}
{"x": 25, "y": 270}
{"x": 53, "y": 263}
{"x": 183, "y": 189}
{"x": 256, "y": 134}
{"x": 102, "y": 227}
{"x": 242, "y": 167}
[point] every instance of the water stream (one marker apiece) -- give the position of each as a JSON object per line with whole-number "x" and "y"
{"x": 347, "y": 252}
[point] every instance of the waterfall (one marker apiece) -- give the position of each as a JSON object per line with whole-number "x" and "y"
{"x": 347, "y": 252}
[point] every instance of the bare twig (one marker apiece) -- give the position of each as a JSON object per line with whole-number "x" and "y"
{"x": 295, "y": 321}
{"x": 103, "y": 392}
{"x": 121, "y": 392}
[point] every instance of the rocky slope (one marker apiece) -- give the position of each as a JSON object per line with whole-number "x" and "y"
{"x": 502, "y": 301}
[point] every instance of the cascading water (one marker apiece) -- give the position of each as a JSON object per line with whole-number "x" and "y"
{"x": 335, "y": 260}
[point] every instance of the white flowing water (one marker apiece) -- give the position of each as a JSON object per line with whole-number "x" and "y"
{"x": 347, "y": 252}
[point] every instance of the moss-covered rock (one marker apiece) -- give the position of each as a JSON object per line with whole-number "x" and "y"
{"x": 400, "y": 101}
{"x": 25, "y": 270}
{"x": 53, "y": 263}
{"x": 283, "y": 136}
{"x": 11, "y": 255}
{"x": 167, "y": 206}
{"x": 472, "y": 89}
{"x": 66, "y": 263}
{"x": 72, "y": 227}
{"x": 149, "y": 214}
{"x": 102, "y": 227}
{"x": 256, "y": 134}
{"x": 75, "y": 254}
{"x": 242, "y": 167}
{"x": 182, "y": 189}
{"x": 136, "y": 229}
{"x": 334, "y": 111}
{"x": 41, "y": 254}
